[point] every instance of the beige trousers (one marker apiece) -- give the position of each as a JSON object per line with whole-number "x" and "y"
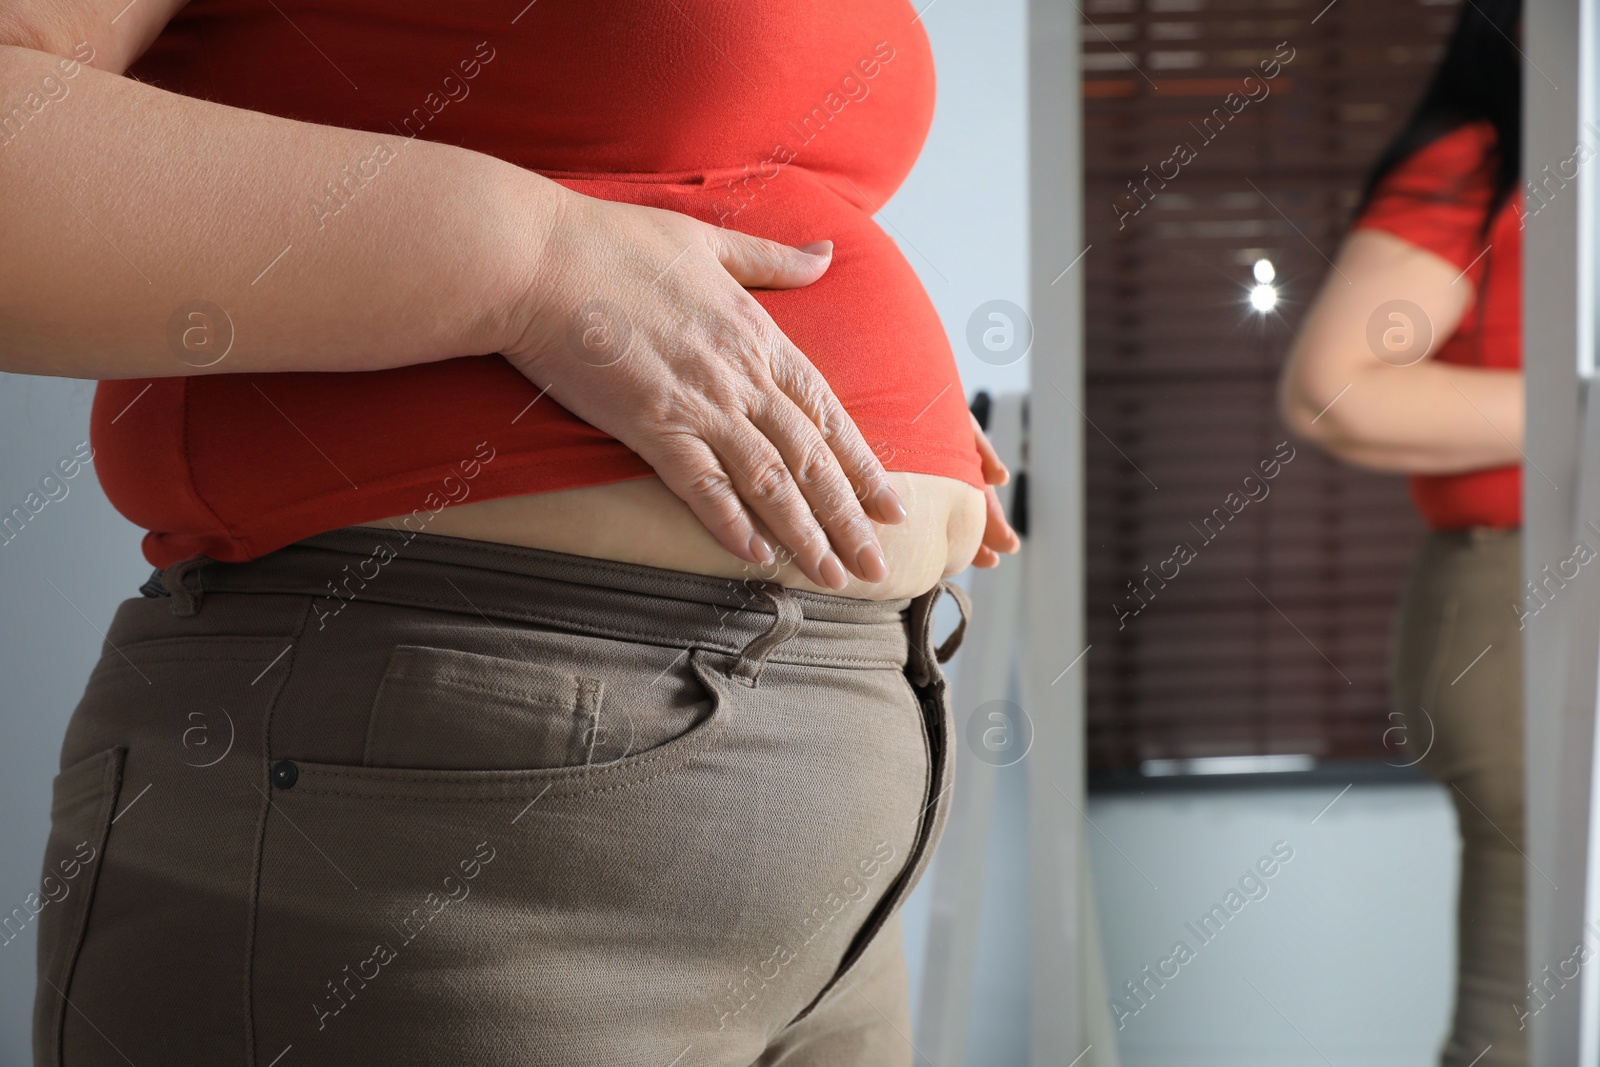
{"x": 374, "y": 799}
{"x": 1466, "y": 713}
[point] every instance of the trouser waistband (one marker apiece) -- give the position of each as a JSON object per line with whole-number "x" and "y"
{"x": 758, "y": 620}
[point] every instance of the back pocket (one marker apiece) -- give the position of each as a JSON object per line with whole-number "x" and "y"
{"x": 84, "y": 796}
{"x": 447, "y": 709}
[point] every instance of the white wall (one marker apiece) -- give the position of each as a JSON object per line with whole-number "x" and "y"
{"x": 1353, "y": 942}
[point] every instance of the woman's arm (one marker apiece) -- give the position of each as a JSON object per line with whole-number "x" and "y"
{"x": 1423, "y": 418}
{"x": 124, "y": 202}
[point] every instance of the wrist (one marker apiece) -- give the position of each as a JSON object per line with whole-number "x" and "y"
{"x": 533, "y": 209}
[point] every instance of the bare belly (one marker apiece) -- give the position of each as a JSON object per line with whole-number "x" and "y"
{"x": 643, "y": 522}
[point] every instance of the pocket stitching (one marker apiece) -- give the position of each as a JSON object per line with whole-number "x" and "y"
{"x": 109, "y": 788}
{"x": 516, "y": 784}
{"x": 398, "y": 670}
{"x": 403, "y": 656}
{"x": 521, "y": 696}
{"x": 509, "y": 796}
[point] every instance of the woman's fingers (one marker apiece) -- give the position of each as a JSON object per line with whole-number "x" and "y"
{"x": 805, "y": 387}
{"x": 756, "y": 263}
{"x": 998, "y": 536}
{"x": 828, "y": 493}
{"x": 769, "y": 480}
{"x": 994, "y": 472}
{"x": 828, "y": 461}
{"x": 698, "y": 476}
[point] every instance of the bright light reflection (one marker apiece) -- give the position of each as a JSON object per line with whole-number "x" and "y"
{"x": 1263, "y": 297}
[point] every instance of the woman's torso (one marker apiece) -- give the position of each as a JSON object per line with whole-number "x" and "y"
{"x": 792, "y": 120}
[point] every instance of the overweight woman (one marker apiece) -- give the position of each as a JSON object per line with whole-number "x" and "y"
{"x": 1411, "y": 361}
{"x": 550, "y": 470}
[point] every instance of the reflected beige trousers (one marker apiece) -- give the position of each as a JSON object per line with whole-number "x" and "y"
{"x": 1459, "y": 603}
{"x": 373, "y": 799}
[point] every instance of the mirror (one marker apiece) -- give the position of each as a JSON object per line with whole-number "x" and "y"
{"x": 1278, "y": 797}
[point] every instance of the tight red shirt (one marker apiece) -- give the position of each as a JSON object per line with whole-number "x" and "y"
{"x": 789, "y": 119}
{"x": 1437, "y": 200}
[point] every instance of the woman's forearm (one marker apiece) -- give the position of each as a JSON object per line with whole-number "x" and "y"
{"x": 1428, "y": 418}
{"x": 1395, "y": 409}
{"x": 128, "y": 211}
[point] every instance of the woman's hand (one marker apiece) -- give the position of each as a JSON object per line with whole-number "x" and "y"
{"x": 998, "y": 536}
{"x": 638, "y": 322}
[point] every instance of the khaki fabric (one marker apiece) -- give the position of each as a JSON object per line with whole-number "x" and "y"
{"x": 378, "y": 799}
{"x": 1465, "y": 712}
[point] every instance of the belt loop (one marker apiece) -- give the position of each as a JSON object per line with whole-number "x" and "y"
{"x": 152, "y": 586}
{"x": 964, "y": 605}
{"x": 182, "y": 583}
{"x": 784, "y": 626}
{"x": 923, "y": 653}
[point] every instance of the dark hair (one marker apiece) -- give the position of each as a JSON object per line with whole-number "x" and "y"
{"x": 1480, "y": 78}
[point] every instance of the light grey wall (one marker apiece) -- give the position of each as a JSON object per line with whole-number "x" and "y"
{"x": 961, "y": 216}
{"x": 62, "y": 575}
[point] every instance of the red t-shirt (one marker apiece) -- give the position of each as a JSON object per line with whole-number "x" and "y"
{"x": 1437, "y": 200}
{"x": 789, "y": 119}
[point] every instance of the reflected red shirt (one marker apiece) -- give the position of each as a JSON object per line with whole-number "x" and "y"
{"x": 1437, "y": 200}
{"x": 791, "y": 119}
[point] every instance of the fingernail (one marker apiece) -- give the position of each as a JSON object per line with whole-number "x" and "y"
{"x": 760, "y": 549}
{"x": 833, "y": 573}
{"x": 818, "y": 248}
{"x": 870, "y": 564}
{"x": 887, "y": 503}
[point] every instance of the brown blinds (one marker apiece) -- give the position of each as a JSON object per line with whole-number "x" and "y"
{"x": 1271, "y": 637}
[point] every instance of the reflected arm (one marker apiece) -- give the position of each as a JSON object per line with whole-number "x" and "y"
{"x": 1424, "y": 418}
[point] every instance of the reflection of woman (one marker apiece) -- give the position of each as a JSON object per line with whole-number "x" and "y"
{"x": 1436, "y": 257}
{"x": 463, "y": 727}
